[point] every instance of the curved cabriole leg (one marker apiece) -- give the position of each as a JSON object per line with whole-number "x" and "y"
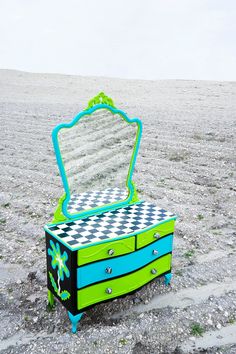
{"x": 74, "y": 320}
{"x": 50, "y": 298}
{"x": 167, "y": 278}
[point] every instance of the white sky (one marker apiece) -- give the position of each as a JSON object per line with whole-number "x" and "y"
{"x": 151, "y": 39}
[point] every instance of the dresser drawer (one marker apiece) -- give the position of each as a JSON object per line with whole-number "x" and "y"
{"x": 106, "y": 250}
{"x": 155, "y": 233}
{"x": 120, "y": 286}
{"x": 110, "y": 268}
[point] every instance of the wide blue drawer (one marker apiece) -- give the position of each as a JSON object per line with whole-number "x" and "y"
{"x": 98, "y": 271}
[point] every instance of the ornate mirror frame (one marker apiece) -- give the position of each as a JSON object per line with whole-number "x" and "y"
{"x": 98, "y": 102}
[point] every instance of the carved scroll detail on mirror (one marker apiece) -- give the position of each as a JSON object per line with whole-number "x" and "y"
{"x": 101, "y": 98}
{"x": 96, "y": 153}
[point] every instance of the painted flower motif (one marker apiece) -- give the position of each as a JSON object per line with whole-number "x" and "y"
{"x": 58, "y": 260}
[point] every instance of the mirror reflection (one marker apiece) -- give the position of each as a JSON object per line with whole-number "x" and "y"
{"x": 96, "y": 153}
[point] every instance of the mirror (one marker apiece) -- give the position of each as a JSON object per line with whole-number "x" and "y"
{"x": 96, "y": 153}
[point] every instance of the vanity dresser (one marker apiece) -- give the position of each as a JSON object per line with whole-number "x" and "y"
{"x": 103, "y": 242}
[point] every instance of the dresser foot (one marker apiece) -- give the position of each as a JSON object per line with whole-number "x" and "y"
{"x": 74, "y": 320}
{"x": 167, "y": 278}
{"x": 50, "y": 298}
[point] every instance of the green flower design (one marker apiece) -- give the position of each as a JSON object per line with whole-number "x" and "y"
{"x": 58, "y": 260}
{"x": 64, "y": 295}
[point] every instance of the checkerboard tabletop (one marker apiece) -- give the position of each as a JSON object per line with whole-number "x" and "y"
{"x": 124, "y": 221}
{"x": 89, "y": 200}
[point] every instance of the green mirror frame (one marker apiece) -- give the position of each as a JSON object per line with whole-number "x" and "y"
{"x": 101, "y": 101}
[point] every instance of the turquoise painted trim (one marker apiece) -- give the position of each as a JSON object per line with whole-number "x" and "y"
{"x": 62, "y": 168}
{"x": 104, "y": 241}
{"x": 167, "y": 278}
{"x": 95, "y": 272}
{"x": 74, "y": 320}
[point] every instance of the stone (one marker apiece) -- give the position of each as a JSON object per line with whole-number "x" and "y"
{"x": 32, "y": 276}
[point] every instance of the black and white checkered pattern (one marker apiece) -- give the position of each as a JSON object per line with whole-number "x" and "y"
{"x": 89, "y": 200}
{"x": 112, "y": 224}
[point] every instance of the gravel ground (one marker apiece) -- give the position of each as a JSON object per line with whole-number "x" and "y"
{"x": 186, "y": 164}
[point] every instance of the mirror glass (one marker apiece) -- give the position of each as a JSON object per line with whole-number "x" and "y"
{"x": 96, "y": 153}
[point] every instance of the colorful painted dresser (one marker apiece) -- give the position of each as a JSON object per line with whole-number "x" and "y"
{"x": 103, "y": 243}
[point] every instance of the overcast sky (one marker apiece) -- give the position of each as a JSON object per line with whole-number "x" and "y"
{"x": 146, "y": 39}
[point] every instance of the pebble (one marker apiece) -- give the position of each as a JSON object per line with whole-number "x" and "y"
{"x": 218, "y": 326}
{"x": 192, "y": 339}
{"x": 32, "y": 275}
{"x": 136, "y": 300}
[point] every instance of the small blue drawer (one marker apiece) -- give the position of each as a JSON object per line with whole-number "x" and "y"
{"x": 110, "y": 268}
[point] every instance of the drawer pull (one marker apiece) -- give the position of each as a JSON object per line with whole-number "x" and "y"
{"x": 111, "y": 252}
{"x": 155, "y": 252}
{"x": 108, "y": 270}
{"x": 108, "y": 290}
{"x": 154, "y": 271}
{"x": 156, "y": 235}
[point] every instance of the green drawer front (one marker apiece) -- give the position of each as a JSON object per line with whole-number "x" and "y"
{"x": 102, "y": 251}
{"x": 147, "y": 237}
{"x": 120, "y": 286}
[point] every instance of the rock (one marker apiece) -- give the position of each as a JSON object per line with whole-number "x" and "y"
{"x": 192, "y": 339}
{"x": 32, "y": 276}
{"x": 137, "y": 300}
{"x": 51, "y": 329}
{"x": 178, "y": 350}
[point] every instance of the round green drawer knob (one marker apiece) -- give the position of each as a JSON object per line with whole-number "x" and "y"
{"x": 108, "y": 270}
{"x": 156, "y": 235}
{"x": 155, "y": 252}
{"x": 111, "y": 252}
{"x": 154, "y": 271}
{"x": 108, "y": 290}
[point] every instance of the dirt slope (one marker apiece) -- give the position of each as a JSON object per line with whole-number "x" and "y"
{"x": 186, "y": 164}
